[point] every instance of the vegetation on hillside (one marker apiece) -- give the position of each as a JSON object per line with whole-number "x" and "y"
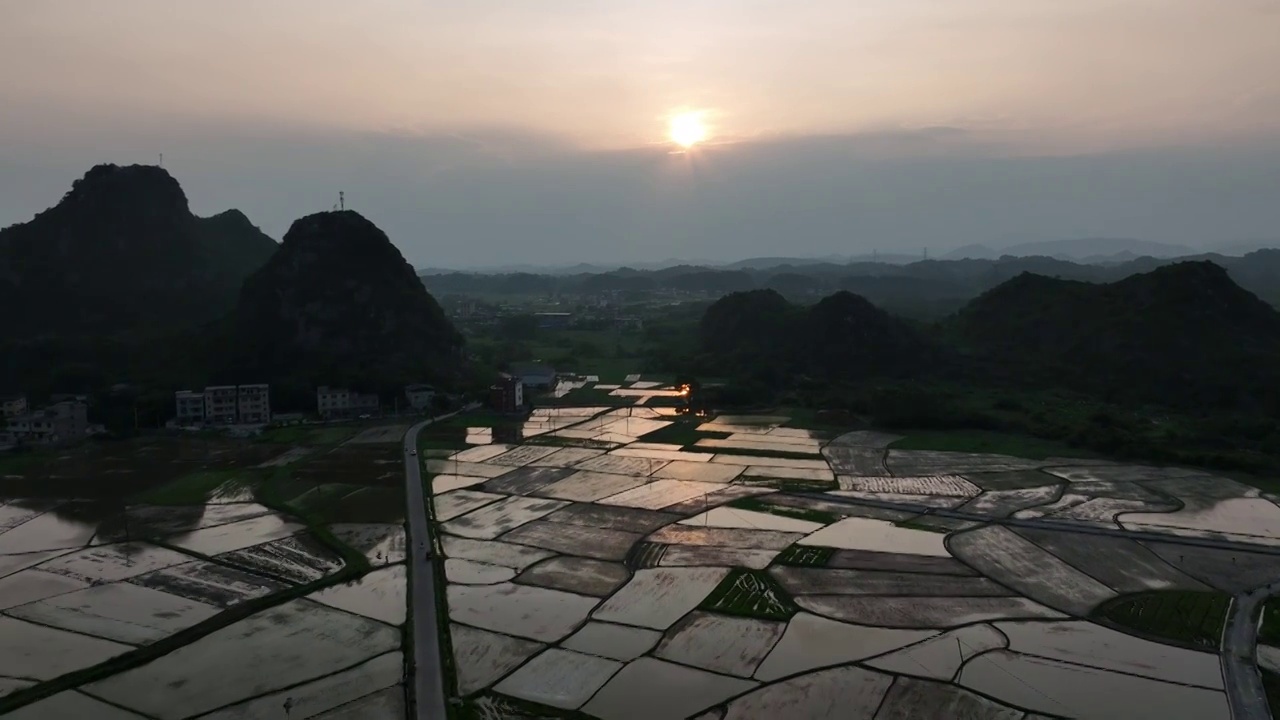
{"x": 339, "y": 305}
{"x": 122, "y": 251}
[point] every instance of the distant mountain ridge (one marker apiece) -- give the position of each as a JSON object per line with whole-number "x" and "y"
{"x": 1087, "y": 250}
{"x": 120, "y": 251}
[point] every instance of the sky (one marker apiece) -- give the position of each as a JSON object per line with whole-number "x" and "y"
{"x": 497, "y": 132}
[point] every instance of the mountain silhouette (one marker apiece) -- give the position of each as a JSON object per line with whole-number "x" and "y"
{"x": 122, "y": 251}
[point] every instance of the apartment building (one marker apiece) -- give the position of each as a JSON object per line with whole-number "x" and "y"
{"x": 254, "y": 404}
{"x": 420, "y": 397}
{"x": 220, "y": 405}
{"x": 365, "y": 404}
{"x": 333, "y": 402}
{"x": 190, "y": 406}
{"x": 57, "y": 424}
{"x": 336, "y": 403}
{"x": 224, "y": 405}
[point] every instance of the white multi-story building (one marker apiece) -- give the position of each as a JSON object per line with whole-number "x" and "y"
{"x": 333, "y": 402}
{"x": 59, "y": 423}
{"x": 420, "y": 397}
{"x": 365, "y": 404}
{"x": 255, "y": 404}
{"x": 190, "y": 407}
{"x": 220, "y": 404}
{"x": 224, "y": 405}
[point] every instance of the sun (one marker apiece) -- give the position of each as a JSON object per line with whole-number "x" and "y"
{"x": 687, "y": 129}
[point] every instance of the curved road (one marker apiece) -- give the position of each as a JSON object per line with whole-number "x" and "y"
{"x": 1240, "y": 673}
{"x": 427, "y": 701}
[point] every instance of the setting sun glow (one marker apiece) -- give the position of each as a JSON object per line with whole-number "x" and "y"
{"x": 687, "y": 129}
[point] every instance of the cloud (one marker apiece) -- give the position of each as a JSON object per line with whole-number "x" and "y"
{"x": 499, "y": 195}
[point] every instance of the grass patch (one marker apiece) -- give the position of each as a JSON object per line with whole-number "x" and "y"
{"x": 1269, "y": 632}
{"x": 492, "y": 705}
{"x": 1271, "y": 686}
{"x": 808, "y": 419}
{"x": 552, "y": 441}
{"x": 340, "y": 503}
{"x": 198, "y": 487}
{"x": 753, "y": 453}
{"x": 644, "y": 555}
{"x": 805, "y": 556}
{"x": 793, "y": 484}
{"x": 307, "y": 435}
{"x": 1193, "y": 619}
{"x": 747, "y": 593}
{"x": 917, "y": 524}
{"x": 758, "y": 505}
{"x": 683, "y": 432}
{"x": 986, "y": 441}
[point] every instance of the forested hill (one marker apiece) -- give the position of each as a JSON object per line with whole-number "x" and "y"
{"x": 1183, "y": 334}
{"x": 122, "y": 251}
{"x": 338, "y": 304}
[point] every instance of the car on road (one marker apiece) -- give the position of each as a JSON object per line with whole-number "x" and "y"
{"x": 413, "y": 452}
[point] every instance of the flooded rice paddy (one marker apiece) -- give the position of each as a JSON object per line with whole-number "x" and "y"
{"x": 259, "y": 611}
{"x": 634, "y": 579}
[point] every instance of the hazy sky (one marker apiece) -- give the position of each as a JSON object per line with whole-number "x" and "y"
{"x": 502, "y": 131}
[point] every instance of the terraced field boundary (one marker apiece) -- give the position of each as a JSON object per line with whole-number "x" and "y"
{"x": 354, "y": 566}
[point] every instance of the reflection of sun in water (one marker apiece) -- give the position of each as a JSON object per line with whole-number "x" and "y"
{"x": 687, "y": 129}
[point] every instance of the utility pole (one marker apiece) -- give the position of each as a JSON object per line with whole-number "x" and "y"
{"x": 342, "y": 203}
{"x": 161, "y": 159}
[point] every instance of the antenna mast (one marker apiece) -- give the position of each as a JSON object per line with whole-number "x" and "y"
{"x": 342, "y": 203}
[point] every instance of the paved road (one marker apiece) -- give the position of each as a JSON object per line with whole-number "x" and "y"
{"x": 1240, "y": 674}
{"x": 427, "y": 700}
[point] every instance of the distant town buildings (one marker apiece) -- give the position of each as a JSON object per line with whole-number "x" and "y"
{"x": 420, "y": 397}
{"x": 338, "y": 403}
{"x": 507, "y": 394}
{"x": 224, "y": 405}
{"x": 59, "y": 423}
{"x": 13, "y": 405}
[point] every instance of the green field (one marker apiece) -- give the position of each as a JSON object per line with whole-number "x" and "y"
{"x": 196, "y": 488}
{"x": 1269, "y": 631}
{"x": 758, "y": 505}
{"x": 985, "y": 441}
{"x": 748, "y": 593}
{"x": 1189, "y": 618}
{"x": 804, "y": 556}
{"x": 684, "y": 431}
{"x": 308, "y": 435}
